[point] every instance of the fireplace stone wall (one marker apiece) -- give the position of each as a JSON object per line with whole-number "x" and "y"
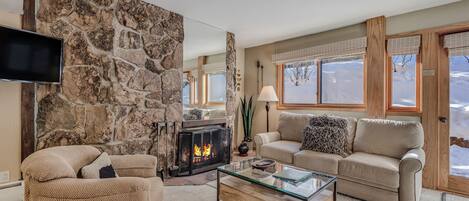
{"x": 122, "y": 73}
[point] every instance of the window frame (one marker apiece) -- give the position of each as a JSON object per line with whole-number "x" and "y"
{"x": 207, "y": 102}
{"x": 417, "y": 109}
{"x": 192, "y": 87}
{"x": 281, "y": 105}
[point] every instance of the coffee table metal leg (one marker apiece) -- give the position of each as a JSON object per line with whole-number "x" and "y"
{"x": 218, "y": 185}
{"x": 335, "y": 191}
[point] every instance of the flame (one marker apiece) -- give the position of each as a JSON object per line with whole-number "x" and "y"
{"x": 204, "y": 151}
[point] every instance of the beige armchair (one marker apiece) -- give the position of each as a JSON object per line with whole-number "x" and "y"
{"x": 51, "y": 174}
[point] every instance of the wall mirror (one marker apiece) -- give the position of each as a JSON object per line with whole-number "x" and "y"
{"x": 204, "y": 83}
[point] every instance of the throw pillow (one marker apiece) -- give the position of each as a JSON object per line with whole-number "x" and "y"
{"x": 99, "y": 169}
{"x": 326, "y": 139}
{"x": 339, "y": 122}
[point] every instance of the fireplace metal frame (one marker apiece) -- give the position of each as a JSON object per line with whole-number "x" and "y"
{"x": 226, "y": 140}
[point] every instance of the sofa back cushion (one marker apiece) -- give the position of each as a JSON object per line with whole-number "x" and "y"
{"x": 291, "y": 125}
{"x": 387, "y": 137}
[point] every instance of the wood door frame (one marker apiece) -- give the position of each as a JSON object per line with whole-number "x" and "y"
{"x": 446, "y": 181}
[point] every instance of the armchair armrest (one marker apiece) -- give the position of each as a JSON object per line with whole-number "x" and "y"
{"x": 410, "y": 174}
{"x": 134, "y": 165}
{"x": 265, "y": 138}
{"x": 123, "y": 188}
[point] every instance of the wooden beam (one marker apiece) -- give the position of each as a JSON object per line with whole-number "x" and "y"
{"x": 201, "y": 61}
{"x": 27, "y": 89}
{"x": 430, "y": 47}
{"x": 376, "y": 67}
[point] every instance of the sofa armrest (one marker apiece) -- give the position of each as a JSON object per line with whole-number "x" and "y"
{"x": 410, "y": 174}
{"x": 265, "y": 138}
{"x": 93, "y": 189}
{"x": 134, "y": 165}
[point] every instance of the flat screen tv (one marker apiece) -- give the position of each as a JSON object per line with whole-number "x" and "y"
{"x": 29, "y": 57}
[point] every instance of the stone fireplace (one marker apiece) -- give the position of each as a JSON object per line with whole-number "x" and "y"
{"x": 122, "y": 75}
{"x": 122, "y": 78}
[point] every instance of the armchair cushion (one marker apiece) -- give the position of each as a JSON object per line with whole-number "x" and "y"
{"x": 58, "y": 162}
{"x": 134, "y": 165}
{"x": 69, "y": 188}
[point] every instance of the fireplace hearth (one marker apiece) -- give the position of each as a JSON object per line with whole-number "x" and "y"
{"x": 204, "y": 148}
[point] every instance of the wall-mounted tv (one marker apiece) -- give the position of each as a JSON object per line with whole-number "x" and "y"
{"x": 29, "y": 57}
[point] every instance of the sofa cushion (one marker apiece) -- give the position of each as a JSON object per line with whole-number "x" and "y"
{"x": 317, "y": 161}
{"x": 326, "y": 139}
{"x": 387, "y": 137}
{"x": 290, "y": 125}
{"x": 281, "y": 151}
{"x": 371, "y": 168}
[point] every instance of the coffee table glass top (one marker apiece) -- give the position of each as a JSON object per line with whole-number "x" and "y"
{"x": 303, "y": 190}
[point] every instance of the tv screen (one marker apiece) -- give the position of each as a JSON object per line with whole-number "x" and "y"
{"x": 30, "y": 57}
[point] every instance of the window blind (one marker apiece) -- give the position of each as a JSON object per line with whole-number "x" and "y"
{"x": 403, "y": 46}
{"x": 457, "y": 44}
{"x": 337, "y": 49}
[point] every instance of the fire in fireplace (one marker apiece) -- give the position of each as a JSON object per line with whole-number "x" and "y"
{"x": 202, "y": 149}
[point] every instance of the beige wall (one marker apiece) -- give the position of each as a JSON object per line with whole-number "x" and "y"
{"x": 10, "y": 110}
{"x": 433, "y": 17}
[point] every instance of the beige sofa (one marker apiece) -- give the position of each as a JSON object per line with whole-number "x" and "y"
{"x": 386, "y": 163}
{"x": 51, "y": 175}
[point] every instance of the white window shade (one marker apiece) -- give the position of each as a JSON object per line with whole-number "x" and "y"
{"x": 214, "y": 67}
{"x": 337, "y": 49}
{"x": 404, "y": 46}
{"x": 457, "y": 44}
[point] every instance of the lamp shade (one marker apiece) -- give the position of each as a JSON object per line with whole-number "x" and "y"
{"x": 268, "y": 94}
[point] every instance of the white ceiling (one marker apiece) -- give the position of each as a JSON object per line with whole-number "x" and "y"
{"x": 11, "y": 6}
{"x": 257, "y": 22}
{"x": 201, "y": 39}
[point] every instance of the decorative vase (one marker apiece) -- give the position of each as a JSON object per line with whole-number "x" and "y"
{"x": 243, "y": 149}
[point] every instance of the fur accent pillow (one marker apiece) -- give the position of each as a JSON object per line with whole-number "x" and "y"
{"x": 325, "y": 139}
{"x": 99, "y": 169}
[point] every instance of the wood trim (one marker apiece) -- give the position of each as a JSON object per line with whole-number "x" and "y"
{"x": 27, "y": 90}
{"x": 376, "y": 70}
{"x": 443, "y": 110}
{"x": 201, "y": 60}
{"x": 430, "y": 45}
{"x": 418, "y": 90}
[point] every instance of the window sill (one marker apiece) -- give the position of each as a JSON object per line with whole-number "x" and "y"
{"x": 403, "y": 112}
{"x": 335, "y": 107}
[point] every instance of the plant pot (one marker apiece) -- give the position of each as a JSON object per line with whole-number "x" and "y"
{"x": 243, "y": 149}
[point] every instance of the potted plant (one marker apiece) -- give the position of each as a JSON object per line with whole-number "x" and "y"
{"x": 247, "y": 109}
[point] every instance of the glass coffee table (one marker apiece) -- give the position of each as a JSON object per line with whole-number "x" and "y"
{"x": 246, "y": 181}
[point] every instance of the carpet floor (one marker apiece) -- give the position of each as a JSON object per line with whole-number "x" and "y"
{"x": 207, "y": 192}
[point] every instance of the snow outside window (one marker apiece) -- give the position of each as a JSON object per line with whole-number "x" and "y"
{"x": 404, "y": 80}
{"x": 216, "y": 83}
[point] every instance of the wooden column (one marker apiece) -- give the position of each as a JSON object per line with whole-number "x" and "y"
{"x": 27, "y": 90}
{"x": 376, "y": 67}
{"x": 430, "y": 46}
{"x": 201, "y": 61}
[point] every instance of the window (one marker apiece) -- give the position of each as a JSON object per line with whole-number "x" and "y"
{"x": 342, "y": 81}
{"x": 300, "y": 83}
{"x": 404, "y": 75}
{"x": 337, "y": 82}
{"x": 189, "y": 89}
{"x": 216, "y": 88}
